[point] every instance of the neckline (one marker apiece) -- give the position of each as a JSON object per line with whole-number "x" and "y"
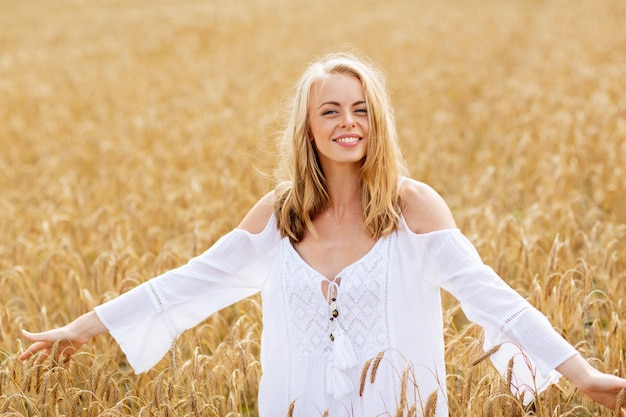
{"x": 345, "y": 268}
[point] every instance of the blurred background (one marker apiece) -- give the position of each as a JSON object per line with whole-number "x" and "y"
{"x": 134, "y": 133}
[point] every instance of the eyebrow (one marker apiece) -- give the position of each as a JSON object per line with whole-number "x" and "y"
{"x": 336, "y": 103}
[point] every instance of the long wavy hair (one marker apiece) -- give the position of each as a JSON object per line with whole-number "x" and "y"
{"x": 302, "y": 192}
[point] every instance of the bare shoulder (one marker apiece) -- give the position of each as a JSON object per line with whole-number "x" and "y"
{"x": 257, "y": 218}
{"x": 423, "y": 208}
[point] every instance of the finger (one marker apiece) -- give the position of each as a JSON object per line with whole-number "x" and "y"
{"x": 34, "y": 348}
{"x": 48, "y": 336}
{"x": 30, "y": 336}
{"x": 43, "y": 354}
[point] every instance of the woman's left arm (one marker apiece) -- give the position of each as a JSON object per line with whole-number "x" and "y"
{"x": 424, "y": 210}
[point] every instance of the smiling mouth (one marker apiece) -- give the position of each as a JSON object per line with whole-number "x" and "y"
{"x": 349, "y": 139}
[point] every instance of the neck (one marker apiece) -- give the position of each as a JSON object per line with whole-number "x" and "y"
{"x": 344, "y": 188}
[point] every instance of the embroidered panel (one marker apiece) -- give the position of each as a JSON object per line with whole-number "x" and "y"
{"x": 361, "y": 303}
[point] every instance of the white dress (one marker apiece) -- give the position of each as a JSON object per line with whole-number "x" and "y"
{"x": 388, "y": 301}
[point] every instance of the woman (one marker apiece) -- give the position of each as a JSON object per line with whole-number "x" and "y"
{"x": 350, "y": 257}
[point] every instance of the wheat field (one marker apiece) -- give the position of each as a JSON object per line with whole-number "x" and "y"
{"x": 134, "y": 133}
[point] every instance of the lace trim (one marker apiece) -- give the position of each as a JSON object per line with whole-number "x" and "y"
{"x": 156, "y": 297}
{"x": 290, "y": 356}
{"x": 513, "y": 317}
{"x": 173, "y": 328}
{"x": 396, "y": 382}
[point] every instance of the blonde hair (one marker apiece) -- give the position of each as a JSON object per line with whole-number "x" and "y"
{"x": 304, "y": 193}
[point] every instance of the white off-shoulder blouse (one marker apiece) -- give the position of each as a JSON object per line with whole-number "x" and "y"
{"x": 314, "y": 346}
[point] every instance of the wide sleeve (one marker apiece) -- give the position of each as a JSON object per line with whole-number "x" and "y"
{"x": 147, "y": 319}
{"x": 522, "y": 332}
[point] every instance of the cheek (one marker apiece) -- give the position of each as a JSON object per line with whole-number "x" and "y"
{"x": 366, "y": 128}
{"x": 311, "y": 130}
{"x": 317, "y": 129}
{"x": 312, "y": 125}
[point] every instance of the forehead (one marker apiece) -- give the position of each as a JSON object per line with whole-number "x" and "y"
{"x": 336, "y": 87}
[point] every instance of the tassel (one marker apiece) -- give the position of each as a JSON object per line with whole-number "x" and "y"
{"x": 337, "y": 382}
{"x": 343, "y": 352}
{"x": 343, "y": 358}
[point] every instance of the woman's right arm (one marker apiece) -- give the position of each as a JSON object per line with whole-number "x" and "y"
{"x": 75, "y": 334}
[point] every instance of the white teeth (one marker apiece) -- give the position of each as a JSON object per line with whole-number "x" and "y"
{"x": 352, "y": 139}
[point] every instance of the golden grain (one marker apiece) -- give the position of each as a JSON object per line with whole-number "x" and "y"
{"x": 467, "y": 389}
{"x": 509, "y": 372}
{"x": 375, "y": 366}
{"x": 157, "y": 390}
{"x": 195, "y": 407}
{"x": 27, "y": 378}
{"x": 44, "y": 388}
{"x": 4, "y": 405}
{"x": 114, "y": 168}
{"x": 403, "y": 389}
{"x": 431, "y": 405}
{"x": 366, "y": 367}
{"x": 94, "y": 377}
{"x": 488, "y": 411}
{"x": 38, "y": 378}
{"x": 485, "y": 356}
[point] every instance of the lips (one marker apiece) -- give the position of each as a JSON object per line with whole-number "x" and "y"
{"x": 347, "y": 139}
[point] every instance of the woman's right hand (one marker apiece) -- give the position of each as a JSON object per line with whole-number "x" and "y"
{"x": 70, "y": 338}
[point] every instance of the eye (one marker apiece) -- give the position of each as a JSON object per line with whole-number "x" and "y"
{"x": 328, "y": 112}
{"x": 361, "y": 110}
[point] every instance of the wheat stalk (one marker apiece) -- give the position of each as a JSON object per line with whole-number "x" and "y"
{"x": 111, "y": 175}
{"x": 375, "y": 366}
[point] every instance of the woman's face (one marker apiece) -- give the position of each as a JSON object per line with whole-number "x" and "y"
{"x": 338, "y": 119}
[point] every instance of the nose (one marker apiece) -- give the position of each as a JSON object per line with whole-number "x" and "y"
{"x": 347, "y": 120}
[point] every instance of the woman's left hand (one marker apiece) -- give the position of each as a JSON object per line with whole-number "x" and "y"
{"x": 605, "y": 389}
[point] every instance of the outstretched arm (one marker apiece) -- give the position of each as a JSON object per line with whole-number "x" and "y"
{"x": 600, "y": 387}
{"x": 424, "y": 211}
{"x": 202, "y": 286}
{"x": 70, "y": 337}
